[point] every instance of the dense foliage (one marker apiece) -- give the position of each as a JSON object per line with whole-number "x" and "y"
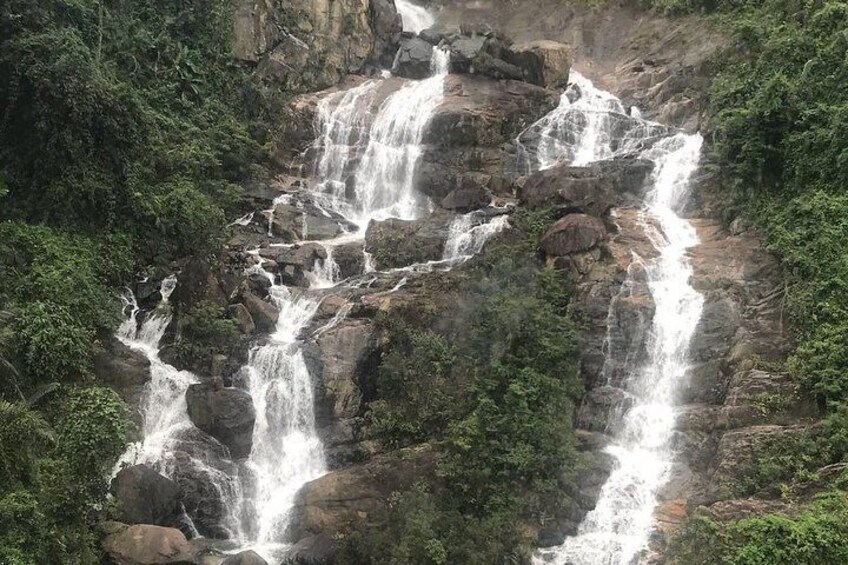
{"x": 124, "y": 131}
{"x": 493, "y": 382}
{"x": 818, "y": 534}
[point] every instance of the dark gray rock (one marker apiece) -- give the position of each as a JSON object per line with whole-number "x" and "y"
{"x": 573, "y": 189}
{"x": 386, "y": 27}
{"x": 146, "y": 497}
{"x": 573, "y": 234}
{"x": 263, "y": 313}
{"x": 400, "y": 243}
{"x": 468, "y": 197}
{"x": 312, "y": 550}
{"x": 239, "y": 313}
{"x": 249, "y": 557}
{"x": 413, "y": 59}
{"x": 227, "y": 414}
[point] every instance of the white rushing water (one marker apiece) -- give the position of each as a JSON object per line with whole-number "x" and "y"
{"x": 287, "y": 452}
{"x": 415, "y": 18}
{"x": 617, "y": 531}
{"x": 588, "y": 125}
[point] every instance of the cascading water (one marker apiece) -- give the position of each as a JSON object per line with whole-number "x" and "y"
{"x": 588, "y": 125}
{"x": 617, "y": 531}
{"x": 287, "y": 452}
{"x": 415, "y": 18}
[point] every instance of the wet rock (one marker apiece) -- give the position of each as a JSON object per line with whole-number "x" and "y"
{"x": 628, "y": 176}
{"x": 602, "y": 408}
{"x": 432, "y": 35}
{"x": 202, "y": 467}
{"x": 144, "y": 545}
{"x": 263, "y": 313}
{"x": 293, "y": 262}
{"x": 312, "y": 550}
{"x": 249, "y": 557}
{"x": 573, "y": 189}
{"x": 463, "y": 52}
{"x": 468, "y": 197}
{"x": 386, "y": 26}
{"x": 227, "y": 414}
{"x": 240, "y": 314}
{"x": 124, "y": 370}
{"x": 413, "y": 59}
{"x": 350, "y": 259}
{"x": 572, "y": 234}
{"x": 400, "y": 243}
{"x": 145, "y": 497}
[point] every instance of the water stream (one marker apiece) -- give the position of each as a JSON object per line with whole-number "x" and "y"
{"x": 365, "y": 171}
{"x": 580, "y": 131}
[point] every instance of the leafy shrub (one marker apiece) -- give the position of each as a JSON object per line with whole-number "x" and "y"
{"x": 818, "y": 534}
{"x": 203, "y": 332}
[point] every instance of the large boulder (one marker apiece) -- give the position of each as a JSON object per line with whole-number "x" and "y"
{"x": 358, "y": 493}
{"x": 573, "y": 189}
{"x": 306, "y": 45}
{"x": 144, "y": 544}
{"x": 249, "y": 557}
{"x": 400, "y": 243}
{"x": 146, "y": 497}
{"x": 293, "y": 262}
{"x": 546, "y": 63}
{"x": 341, "y": 359}
{"x": 125, "y": 370}
{"x": 263, "y": 314}
{"x": 413, "y": 59}
{"x": 574, "y": 233}
{"x": 468, "y": 133}
{"x": 469, "y": 196}
{"x": 227, "y": 414}
{"x": 312, "y": 550}
{"x": 628, "y": 176}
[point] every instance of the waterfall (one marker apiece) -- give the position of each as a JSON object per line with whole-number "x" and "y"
{"x": 617, "y": 531}
{"x": 415, "y": 18}
{"x": 588, "y": 125}
{"x": 466, "y": 236}
{"x": 287, "y": 452}
{"x": 385, "y": 178}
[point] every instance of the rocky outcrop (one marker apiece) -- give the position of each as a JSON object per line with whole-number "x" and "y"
{"x": 249, "y": 557}
{"x": 468, "y": 133}
{"x": 227, "y": 414}
{"x": 467, "y": 197}
{"x": 399, "y": 243}
{"x": 340, "y": 360}
{"x": 291, "y": 263}
{"x": 312, "y": 550}
{"x": 584, "y": 190}
{"x": 574, "y": 233}
{"x": 484, "y": 52}
{"x": 124, "y": 370}
{"x": 262, "y": 313}
{"x": 144, "y": 496}
{"x": 307, "y": 45}
{"x": 413, "y": 59}
{"x": 145, "y": 545}
{"x": 358, "y": 494}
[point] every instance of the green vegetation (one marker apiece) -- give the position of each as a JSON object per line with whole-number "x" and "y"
{"x": 125, "y": 130}
{"x": 493, "y": 383}
{"x": 51, "y": 478}
{"x": 817, "y": 534}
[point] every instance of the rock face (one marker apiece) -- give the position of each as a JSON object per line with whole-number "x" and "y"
{"x": 124, "y": 370}
{"x": 146, "y": 497}
{"x": 573, "y": 234}
{"x": 307, "y": 45}
{"x": 145, "y": 545}
{"x": 357, "y": 494}
{"x": 227, "y": 414}
{"x": 543, "y": 63}
{"x": 467, "y": 197}
{"x": 398, "y": 243}
{"x": 467, "y": 134}
{"x": 585, "y": 190}
{"x": 413, "y": 59}
{"x": 341, "y": 360}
